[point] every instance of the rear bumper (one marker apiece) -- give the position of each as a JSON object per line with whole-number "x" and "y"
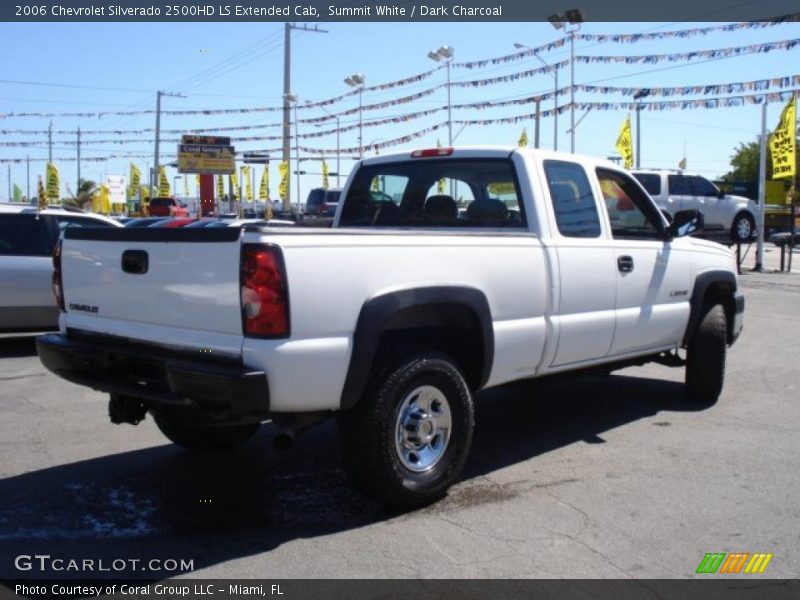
{"x": 738, "y": 316}
{"x": 158, "y": 376}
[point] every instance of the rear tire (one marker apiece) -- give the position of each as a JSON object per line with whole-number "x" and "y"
{"x": 705, "y": 358}
{"x": 203, "y": 437}
{"x": 743, "y": 227}
{"x": 405, "y": 443}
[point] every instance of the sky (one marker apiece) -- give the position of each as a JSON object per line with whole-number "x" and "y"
{"x": 235, "y": 65}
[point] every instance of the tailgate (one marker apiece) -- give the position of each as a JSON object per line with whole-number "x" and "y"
{"x": 175, "y": 287}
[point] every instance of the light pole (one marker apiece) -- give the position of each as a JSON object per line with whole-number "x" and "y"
{"x": 638, "y": 95}
{"x": 573, "y": 17}
{"x": 292, "y": 99}
{"x": 446, "y": 53}
{"x": 554, "y": 73}
{"x": 338, "y": 154}
{"x": 357, "y": 81}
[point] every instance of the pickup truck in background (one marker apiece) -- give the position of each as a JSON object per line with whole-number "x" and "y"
{"x": 166, "y": 207}
{"x": 447, "y": 271}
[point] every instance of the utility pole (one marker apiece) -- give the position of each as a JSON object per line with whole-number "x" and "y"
{"x": 762, "y": 188}
{"x": 538, "y": 119}
{"x": 78, "y": 187}
{"x": 50, "y": 143}
{"x": 9, "y": 182}
{"x": 28, "y": 175}
{"x": 287, "y": 91}
{"x": 154, "y": 174}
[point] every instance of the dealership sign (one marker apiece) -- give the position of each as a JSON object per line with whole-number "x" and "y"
{"x": 210, "y": 155}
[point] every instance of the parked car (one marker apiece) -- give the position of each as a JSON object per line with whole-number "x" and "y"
{"x": 144, "y": 221}
{"x": 177, "y": 222}
{"x": 167, "y": 207}
{"x": 322, "y": 202}
{"x": 27, "y": 239}
{"x": 400, "y": 314}
{"x": 674, "y": 191}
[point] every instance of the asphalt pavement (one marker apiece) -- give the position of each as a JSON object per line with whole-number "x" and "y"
{"x": 581, "y": 477}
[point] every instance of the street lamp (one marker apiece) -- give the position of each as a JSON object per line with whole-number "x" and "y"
{"x": 292, "y": 99}
{"x": 338, "y": 153}
{"x": 573, "y": 17}
{"x": 637, "y": 96}
{"x": 446, "y": 53}
{"x": 357, "y": 81}
{"x": 554, "y": 73}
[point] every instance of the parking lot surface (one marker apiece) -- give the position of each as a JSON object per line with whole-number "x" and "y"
{"x": 580, "y": 477}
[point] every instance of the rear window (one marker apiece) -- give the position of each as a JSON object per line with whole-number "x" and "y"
{"x": 24, "y": 235}
{"x": 650, "y": 181}
{"x": 162, "y": 202}
{"x": 434, "y": 194}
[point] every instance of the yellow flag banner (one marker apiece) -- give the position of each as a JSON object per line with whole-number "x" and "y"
{"x": 185, "y": 187}
{"x": 248, "y": 183}
{"x": 783, "y": 143}
{"x": 624, "y": 143}
{"x": 283, "y": 187}
{"x": 136, "y": 177}
{"x": 235, "y": 185}
{"x": 440, "y": 184}
{"x": 53, "y": 185}
{"x": 324, "y": 175}
{"x": 101, "y": 200}
{"x": 523, "y": 138}
{"x": 220, "y": 187}
{"x": 263, "y": 188}
{"x": 42, "y": 195}
{"x": 163, "y": 182}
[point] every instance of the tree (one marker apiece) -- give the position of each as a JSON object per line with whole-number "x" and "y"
{"x": 744, "y": 163}
{"x": 84, "y": 196}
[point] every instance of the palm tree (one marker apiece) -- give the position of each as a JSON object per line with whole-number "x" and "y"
{"x": 86, "y": 190}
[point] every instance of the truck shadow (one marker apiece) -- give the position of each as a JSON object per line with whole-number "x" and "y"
{"x": 162, "y": 502}
{"x": 17, "y": 347}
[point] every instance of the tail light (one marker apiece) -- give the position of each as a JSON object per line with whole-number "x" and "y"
{"x": 265, "y": 298}
{"x": 58, "y": 288}
{"x": 431, "y": 152}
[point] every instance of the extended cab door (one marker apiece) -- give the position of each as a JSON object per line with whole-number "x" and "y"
{"x": 652, "y": 275}
{"x": 585, "y": 313}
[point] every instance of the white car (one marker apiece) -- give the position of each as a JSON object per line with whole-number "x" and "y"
{"x": 397, "y": 315}
{"x": 673, "y": 191}
{"x": 27, "y": 238}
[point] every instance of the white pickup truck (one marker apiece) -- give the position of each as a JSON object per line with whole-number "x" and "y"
{"x": 447, "y": 271}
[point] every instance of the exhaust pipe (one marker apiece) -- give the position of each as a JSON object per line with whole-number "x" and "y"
{"x": 292, "y": 425}
{"x": 283, "y": 441}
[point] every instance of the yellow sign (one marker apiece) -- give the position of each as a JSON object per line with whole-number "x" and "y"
{"x": 624, "y": 143}
{"x": 163, "y": 182}
{"x": 783, "y": 143}
{"x": 53, "y": 185}
{"x": 248, "y": 183}
{"x": 200, "y": 158}
{"x": 136, "y": 176}
{"x": 283, "y": 188}
{"x": 42, "y": 195}
{"x": 235, "y": 185}
{"x": 263, "y": 189}
{"x": 523, "y": 138}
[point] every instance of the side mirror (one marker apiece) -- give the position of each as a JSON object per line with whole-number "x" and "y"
{"x": 684, "y": 223}
{"x": 721, "y": 194}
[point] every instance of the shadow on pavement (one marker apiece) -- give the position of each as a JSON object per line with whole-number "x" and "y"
{"x": 163, "y": 502}
{"x": 17, "y": 347}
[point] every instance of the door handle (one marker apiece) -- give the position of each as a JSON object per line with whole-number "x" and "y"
{"x": 625, "y": 264}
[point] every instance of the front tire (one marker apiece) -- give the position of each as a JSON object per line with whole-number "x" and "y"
{"x": 705, "y": 358}
{"x": 743, "y": 227}
{"x": 203, "y": 437}
{"x": 405, "y": 443}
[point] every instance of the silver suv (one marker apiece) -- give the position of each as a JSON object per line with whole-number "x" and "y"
{"x": 27, "y": 238}
{"x": 674, "y": 191}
